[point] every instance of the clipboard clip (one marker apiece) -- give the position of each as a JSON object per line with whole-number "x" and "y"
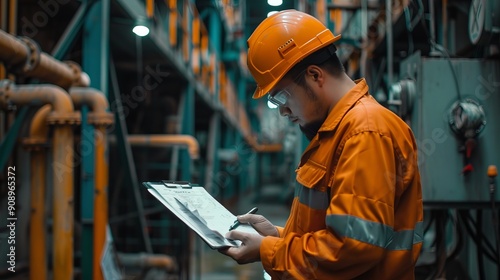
{"x": 177, "y": 184}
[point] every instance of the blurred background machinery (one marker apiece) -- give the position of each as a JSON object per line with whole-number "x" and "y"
{"x": 97, "y": 96}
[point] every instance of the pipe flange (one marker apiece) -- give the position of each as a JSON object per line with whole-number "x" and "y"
{"x": 100, "y": 118}
{"x": 77, "y": 71}
{"x": 68, "y": 118}
{"x": 5, "y": 87}
{"x": 35, "y": 143}
{"x": 33, "y": 58}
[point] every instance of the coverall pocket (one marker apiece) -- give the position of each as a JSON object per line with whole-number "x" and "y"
{"x": 312, "y": 196}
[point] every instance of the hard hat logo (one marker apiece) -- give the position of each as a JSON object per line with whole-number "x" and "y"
{"x": 280, "y": 42}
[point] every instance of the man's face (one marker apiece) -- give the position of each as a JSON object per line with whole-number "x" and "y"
{"x": 300, "y": 104}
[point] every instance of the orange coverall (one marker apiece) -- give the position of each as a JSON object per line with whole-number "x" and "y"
{"x": 357, "y": 211}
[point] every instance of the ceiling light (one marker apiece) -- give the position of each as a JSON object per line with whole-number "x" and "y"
{"x": 271, "y": 13}
{"x": 141, "y": 30}
{"x": 275, "y": 2}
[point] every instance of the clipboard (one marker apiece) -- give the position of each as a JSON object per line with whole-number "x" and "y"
{"x": 200, "y": 211}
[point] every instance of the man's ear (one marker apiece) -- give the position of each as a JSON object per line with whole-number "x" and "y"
{"x": 315, "y": 72}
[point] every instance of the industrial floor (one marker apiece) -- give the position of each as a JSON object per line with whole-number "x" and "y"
{"x": 216, "y": 266}
{"x": 271, "y": 201}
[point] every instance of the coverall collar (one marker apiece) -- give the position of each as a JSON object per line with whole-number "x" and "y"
{"x": 344, "y": 105}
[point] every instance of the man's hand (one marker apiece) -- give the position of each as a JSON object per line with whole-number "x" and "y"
{"x": 248, "y": 251}
{"x": 260, "y": 224}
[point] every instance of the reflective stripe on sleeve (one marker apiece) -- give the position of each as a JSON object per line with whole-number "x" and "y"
{"x": 314, "y": 199}
{"x": 374, "y": 233}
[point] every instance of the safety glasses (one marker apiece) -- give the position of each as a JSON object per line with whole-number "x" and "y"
{"x": 280, "y": 98}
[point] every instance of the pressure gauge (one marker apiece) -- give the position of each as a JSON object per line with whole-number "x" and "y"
{"x": 467, "y": 118}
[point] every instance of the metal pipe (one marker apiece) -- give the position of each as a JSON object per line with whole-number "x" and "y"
{"x": 268, "y": 148}
{"x": 99, "y": 118}
{"x": 389, "y": 40}
{"x": 444, "y": 4}
{"x": 62, "y": 117}
{"x": 25, "y": 58}
{"x": 167, "y": 140}
{"x": 100, "y": 201}
{"x": 94, "y": 98}
{"x": 150, "y": 8}
{"x": 3, "y": 14}
{"x": 63, "y": 202}
{"x": 13, "y": 16}
{"x": 11, "y": 94}
{"x": 37, "y": 142}
{"x": 12, "y": 51}
{"x": 143, "y": 260}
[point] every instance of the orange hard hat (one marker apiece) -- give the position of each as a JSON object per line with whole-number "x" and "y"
{"x": 280, "y": 42}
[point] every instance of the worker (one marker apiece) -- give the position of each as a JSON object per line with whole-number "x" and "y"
{"x": 357, "y": 211}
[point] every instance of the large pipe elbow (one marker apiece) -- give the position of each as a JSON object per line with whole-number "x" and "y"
{"x": 162, "y": 140}
{"x": 97, "y": 102}
{"x": 39, "y": 129}
{"x": 11, "y": 94}
{"x": 26, "y": 95}
{"x": 91, "y": 97}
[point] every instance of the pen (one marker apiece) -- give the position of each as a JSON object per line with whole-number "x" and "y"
{"x": 237, "y": 223}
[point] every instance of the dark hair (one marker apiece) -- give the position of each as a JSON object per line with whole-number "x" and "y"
{"x": 325, "y": 58}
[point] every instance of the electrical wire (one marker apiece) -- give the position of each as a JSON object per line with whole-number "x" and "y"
{"x": 489, "y": 246}
{"x": 489, "y": 252}
{"x": 443, "y": 255}
{"x": 495, "y": 227}
{"x": 445, "y": 53}
{"x": 479, "y": 251}
{"x": 448, "y": 58}
{"x": 411, "y": 24}
{"x": 409, "y": 28}
{"x": 429, "y": 224}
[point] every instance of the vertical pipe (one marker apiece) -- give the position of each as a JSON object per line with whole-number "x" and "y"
{"x": 215, "y": 33}
{"x": 87, "y": 167}
{"x": 63, "y": 117}
{"x": 100, "y": 200}
{"x": 432, "y": 27}
{"x": 99, "y": 118}
{"x": 3, "y": 14}
{"x": 96, "y": 36}
{"x": 388, "y": 36}
{"x": 3, "y": 26}
{"x": 432, "y": 20}
{"x": 38, "y": 249}
{"x": 364, "y": 37}
{"x": 13, "y": 17}
{"x": 187, "y": 128}
{"x": 445, "y": 23}
{"x": 63, "y": 202}
{"x": 150, "y": 8}
{"x": 211, "y": 157}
